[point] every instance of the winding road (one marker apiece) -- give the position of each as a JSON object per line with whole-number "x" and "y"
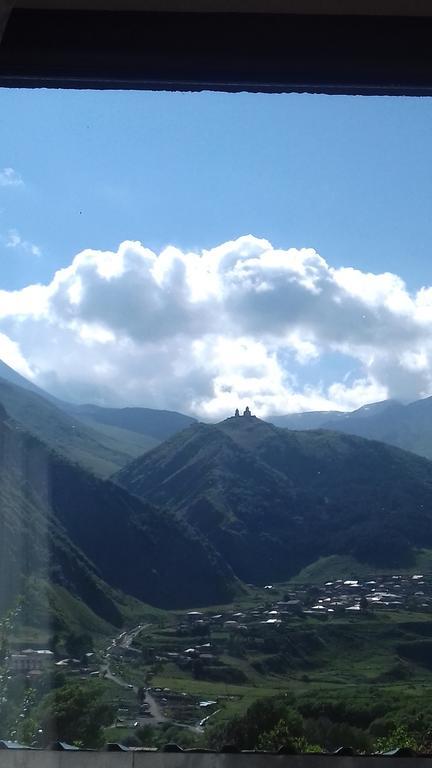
{"x": 125, "y": 641}
{"x": 157, "y": 717}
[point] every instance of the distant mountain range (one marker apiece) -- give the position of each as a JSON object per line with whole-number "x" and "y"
{"x": 192, "y": 510}
{"x": 323, "y": 419}
{"x": 105, "y": 439}
{"x": 158, "y": 425}
{"x": 100, "y": 439}
{"x": 406, "y": 426}
{"x": 271, "y": 501}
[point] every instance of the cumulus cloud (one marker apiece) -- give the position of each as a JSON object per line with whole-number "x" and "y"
{"x": 206, "y": 331}
{"x": 11, "y": 355}
{"x": 10, "y": 178}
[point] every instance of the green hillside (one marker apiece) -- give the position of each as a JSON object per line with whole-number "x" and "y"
{"x": 333, "y": 419}
{"x": 32, "y": 540}
{"x": 13, "y": 377}
{"x": 61, "y": 522}
{"x": 347, "y": 567}
{"x": 102, "y": 450}
{"x": 155, "y": 424}
{"x": 406, "y": 426}
{"x": 272, "y": 501}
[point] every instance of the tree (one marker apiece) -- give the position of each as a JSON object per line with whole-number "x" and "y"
{"x": 77, "y": 645}
{"x": 262, "y": 716}
{"x": 76, "y": 713}
{"x": 54, "y": 642}
{"x": 198, "y": 668}
{"x": 312, "y": 593}
{"x": 236, "y": 646}
{"x": 27, "y": 731}
{"x": 282, "y": 736}
{"x": 364, "y": 605}
{"x": 398, "y": 738}
{"x": 4, "y": 648}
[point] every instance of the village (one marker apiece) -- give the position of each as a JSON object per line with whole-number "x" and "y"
{"x": 203, "y": 644}
{"x": 380, "y": 593}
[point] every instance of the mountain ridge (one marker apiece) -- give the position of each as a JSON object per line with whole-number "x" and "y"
{"x": 404, "y": 425}
{"x": 271, "y": 500}
{"x": 56, "y": 517}
{"x": 100, "y": 439}
{"x": 158, "y": 424}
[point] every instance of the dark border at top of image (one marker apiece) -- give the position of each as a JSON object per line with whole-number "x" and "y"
{"x": 266, "y": 52}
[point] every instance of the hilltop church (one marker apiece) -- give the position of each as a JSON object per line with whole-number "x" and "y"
{"x": 246, "y": 412}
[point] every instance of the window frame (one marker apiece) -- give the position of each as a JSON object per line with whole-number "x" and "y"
{"x": 232, "y": 52}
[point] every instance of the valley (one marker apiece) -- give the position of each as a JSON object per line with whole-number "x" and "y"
{"x": 168, "y": 575}
{"x": 191, "y": 674}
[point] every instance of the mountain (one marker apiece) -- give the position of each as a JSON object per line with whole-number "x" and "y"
{"x": 32, "y": 541}
{"x": 13, "y": 377}
{"x": 305, "y": 420}
{"x": 102, "y": 450}
{"x": 76, "y": 530}
{"x": 156, "y": 424}
{"x": 100, "y": 439}
{"x": 331, "y": 419}
{"x": 271, "y": 501}
{"x": 406, "y": 426}
{"x": 372, "y": 410}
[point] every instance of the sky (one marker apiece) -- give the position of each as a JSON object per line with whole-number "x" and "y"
{"x": 202, "y": 251}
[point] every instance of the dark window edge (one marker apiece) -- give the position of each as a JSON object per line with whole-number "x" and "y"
{"x": 223, "y": 52}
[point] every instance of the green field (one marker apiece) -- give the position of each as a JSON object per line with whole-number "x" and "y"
{"x": 356, "y": 659}
{"x": 345, "y": 567}
{"x": 366, "y": 673}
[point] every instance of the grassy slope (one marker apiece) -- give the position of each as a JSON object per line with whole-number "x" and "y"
{"x": 101, "y": 450}
{"x": 405, "y": 426}
{"x": 340, "y": 660}
{"x": 273, "y": 501}
{"x": 57, "y": 517}
{"x": 346, "y": 567}
{"x": 147, "y": 421}
{"x": 49, "y": 608}
{"x": 134, "y": 443}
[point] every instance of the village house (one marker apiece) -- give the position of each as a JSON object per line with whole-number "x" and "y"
{"x": 30, "y": 660}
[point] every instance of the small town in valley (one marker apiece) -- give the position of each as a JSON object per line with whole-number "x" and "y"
{"x": 195, "y": 645}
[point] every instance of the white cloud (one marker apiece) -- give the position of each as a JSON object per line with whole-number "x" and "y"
{"x": 240, "y": 323}
{"x": 11, "y": 355}
{"x": 10, "y": 178}
{"x": 14, "y": 240}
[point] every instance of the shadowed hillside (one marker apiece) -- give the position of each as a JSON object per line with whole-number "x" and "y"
{"x": 61, "y": 521}
{"x": 272, "y": 501}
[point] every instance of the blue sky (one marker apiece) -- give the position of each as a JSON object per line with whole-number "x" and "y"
{"x": 350, "y": 177}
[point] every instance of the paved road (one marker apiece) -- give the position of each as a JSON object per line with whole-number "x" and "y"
{"x": 157, "y": 716}
{"x": 128, "y": 637}
{"x": 154, "y": 708}
{"x": 125, "y": 641}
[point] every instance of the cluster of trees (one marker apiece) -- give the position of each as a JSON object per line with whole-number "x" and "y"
{"x": 271, "y": 724}
{"x": 57, "y": 710}
{"x": 264, "y": 723}
{"x": 76, "y": 713}
{"x": 79, "y": 713}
